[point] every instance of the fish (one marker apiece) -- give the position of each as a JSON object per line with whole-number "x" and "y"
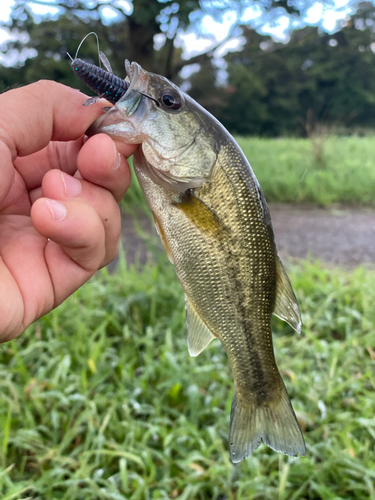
{"x": 213, "y": 220}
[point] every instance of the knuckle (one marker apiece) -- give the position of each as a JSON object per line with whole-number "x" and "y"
{"x": 54, "y": 156}
{"x": 41, "y": 89}
{"x": 44, "y": 85}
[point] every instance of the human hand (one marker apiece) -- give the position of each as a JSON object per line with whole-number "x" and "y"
{"x": 59, "y": 218}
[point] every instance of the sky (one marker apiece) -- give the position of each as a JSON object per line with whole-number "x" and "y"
{"x": 192, "y": 44}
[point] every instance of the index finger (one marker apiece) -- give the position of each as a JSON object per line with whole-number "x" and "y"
{"x": 34, "y": 115}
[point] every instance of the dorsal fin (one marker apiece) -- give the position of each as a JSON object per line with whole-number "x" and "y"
{"x": 198, "y": 335}
{"x": 286, "y": 305}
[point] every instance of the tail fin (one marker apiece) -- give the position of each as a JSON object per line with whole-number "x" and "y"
{"x": 276, "y": 424}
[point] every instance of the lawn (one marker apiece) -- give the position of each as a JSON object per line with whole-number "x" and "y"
{"x": 100, "y": 399}
{"x": 323, "y": 170}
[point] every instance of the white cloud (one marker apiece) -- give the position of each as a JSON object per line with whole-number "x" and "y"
{"x": 216, "y": 29}
{"x": 192, "y": 45}
{"x": 314, "y": 14}
{"x": 331, "y": 19}
{"x": 251, "y": 13}
{"x": 278, "y": 29}
{"x": 5, "y": 9}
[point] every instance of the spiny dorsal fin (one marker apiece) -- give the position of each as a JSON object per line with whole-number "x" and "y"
{"x": 286, "y": 305}
{"x": 198, "y": 335}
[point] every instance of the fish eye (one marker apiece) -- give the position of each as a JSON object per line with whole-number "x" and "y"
{"x": 170, "y": 99}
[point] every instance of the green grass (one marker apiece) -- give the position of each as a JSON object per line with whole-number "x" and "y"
{"x": 100, "y": 399}
{"x": 323, "y": 171}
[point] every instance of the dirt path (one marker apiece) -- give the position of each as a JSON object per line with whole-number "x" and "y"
{"x": 339, "y": 237}
{"x": 344, "y": 237}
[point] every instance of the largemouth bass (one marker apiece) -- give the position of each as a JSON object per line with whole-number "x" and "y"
{"x": 213, "y": 220}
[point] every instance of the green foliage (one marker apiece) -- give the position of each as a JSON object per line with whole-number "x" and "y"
{"x": 101, "y": 400}
{"x": 288, "y": 171}
{"x": 52, "y": 40}
{"x": 279, "y": 89}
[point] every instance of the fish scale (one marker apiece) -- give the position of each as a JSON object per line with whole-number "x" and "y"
{"x": 214, "y": 222}
{"x": 246, "y": 228}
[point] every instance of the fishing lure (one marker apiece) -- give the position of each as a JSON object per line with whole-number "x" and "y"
{"x": 102, "y": 81}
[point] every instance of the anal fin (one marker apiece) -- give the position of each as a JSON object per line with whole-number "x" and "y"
{"x": 286, "y": 305}
{"x": 198, "y": 335}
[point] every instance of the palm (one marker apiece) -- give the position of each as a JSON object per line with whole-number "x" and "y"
{"x": 24, "y": 271}
{"x": 29, "y": 261}
{"x": 59, "y": 218}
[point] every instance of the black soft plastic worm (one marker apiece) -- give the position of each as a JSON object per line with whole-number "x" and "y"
{"x": 102, "y": 82}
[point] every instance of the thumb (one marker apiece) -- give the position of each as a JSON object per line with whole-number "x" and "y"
{"x": 77, "y": 242}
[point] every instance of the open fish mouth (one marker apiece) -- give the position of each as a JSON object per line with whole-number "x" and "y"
{"x": 132, "y": 72}
{"x": 116, "y": 121}
{"x": 137, "y": 78}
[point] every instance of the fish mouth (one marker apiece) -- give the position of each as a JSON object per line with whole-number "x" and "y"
{"x": 137, "y": 78}
{"x": 115, "y": 121}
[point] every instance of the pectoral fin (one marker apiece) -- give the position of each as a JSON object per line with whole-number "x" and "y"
{"x": 198, "y": 335}
{"x": 201, "y": 215}
{"x": 286, "y": 305}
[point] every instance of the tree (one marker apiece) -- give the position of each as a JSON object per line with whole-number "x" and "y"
{"x": 316, "y": 78}
{"x": 51, "y": 40}
{"x": 272, "y": 87}
{"x": 132, "y": 31}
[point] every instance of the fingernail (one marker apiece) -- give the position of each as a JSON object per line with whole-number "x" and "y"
{"x": 72, "y": 186}
{"x": 58, "y": 210}
{"x": 117, "y": 163}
